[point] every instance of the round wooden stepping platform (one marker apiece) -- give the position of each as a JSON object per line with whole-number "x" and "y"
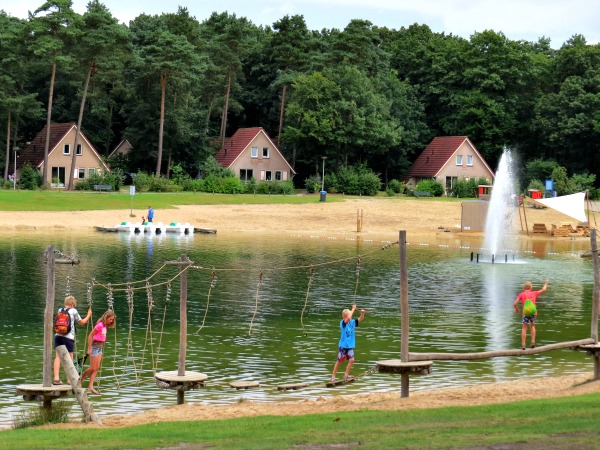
{"x": 41, "y": 393}
{"x": 590, "y": 349}
{"x": 244, "y": 384}
{"x": 410, "y": 367}
{"x": 291, "y": 386}
{"x": 170, "y": 380}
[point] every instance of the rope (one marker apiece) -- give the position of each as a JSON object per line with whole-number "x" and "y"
{"x": 260, "y": 274}
{"x": 310, "y": 280}
{"x": 167, "y": 298}
{"x": 213, "y": 283}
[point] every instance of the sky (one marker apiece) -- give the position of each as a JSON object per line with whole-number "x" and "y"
{"x": 526, "y": 20}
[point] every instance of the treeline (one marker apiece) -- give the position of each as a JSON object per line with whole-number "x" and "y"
{"x": 176, "y": 87}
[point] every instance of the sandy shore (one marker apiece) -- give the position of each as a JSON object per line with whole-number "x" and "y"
{"x": 382, "y": 218}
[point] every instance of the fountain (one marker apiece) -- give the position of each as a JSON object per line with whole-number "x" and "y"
{"x": 501, "y": 210}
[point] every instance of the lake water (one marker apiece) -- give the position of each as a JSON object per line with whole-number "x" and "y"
{"x": 267, "y": 309}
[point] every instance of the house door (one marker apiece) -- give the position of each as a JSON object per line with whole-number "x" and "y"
{"x": 58, "y": 173}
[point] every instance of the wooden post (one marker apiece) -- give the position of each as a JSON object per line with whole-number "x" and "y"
{"x": 595, "y": 300}
{"x": 73, "y": 377}
{"x": 48, "y": 316}
{"x": 525, "y": 217}
{"x": 404, "y": 356}
{"x": 183, "y": 262}
{"x": 359, "y": 220}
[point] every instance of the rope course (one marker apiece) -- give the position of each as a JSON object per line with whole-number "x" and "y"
{"x": 151, "y": 346}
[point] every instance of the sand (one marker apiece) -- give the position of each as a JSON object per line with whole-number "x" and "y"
{"x": 423, "y": 219}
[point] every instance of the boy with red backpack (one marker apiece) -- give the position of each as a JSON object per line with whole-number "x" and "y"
{"x": 64, "y": 329}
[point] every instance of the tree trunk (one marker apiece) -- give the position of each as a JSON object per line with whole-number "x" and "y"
{"x": 7, "y": 149}
{"x": 47, "y": 143}
{"x": 225, "y": 108}
{"x": 281, "y": 112}
{"x": 163, "y": 94}
{"x": 78, "y": 131}
{"x": 169, "y": 165}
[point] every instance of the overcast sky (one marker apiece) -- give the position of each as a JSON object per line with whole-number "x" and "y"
{"x": 558, "y": 20}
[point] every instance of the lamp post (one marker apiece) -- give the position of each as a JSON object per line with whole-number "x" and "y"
{"x": 15, "y": 171}
{"x": 323, "y": 178}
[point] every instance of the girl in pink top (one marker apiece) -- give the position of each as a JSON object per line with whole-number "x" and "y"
{"x": 96, "y": 341}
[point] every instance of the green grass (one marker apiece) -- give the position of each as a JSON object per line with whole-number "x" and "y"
{"x": 569, "y": 422}
{"x": 90, "y": 201}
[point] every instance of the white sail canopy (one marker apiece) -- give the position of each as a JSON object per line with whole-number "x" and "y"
{"x": 571, "y": 205}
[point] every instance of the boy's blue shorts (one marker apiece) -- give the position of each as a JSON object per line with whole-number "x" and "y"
{"x": 528, "y": 319}
{"x": 61, "y": 340}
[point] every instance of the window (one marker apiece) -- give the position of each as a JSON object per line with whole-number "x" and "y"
{"x": 80, "y": 173}
{"x": 254, "y": 152}
{"x": 67, "y": 149}
{"x": 459, "y": 160}
{"x": 469, "y": 160}
{"x": 58, "y": 176}
{"x": 78, "y": 152}
{"x": 265, "y": 152}
{"x": 268, "y": 175}
{"x": 91, "y": 172}
{"x": 246, "y": 175}
{"x": 278, "y": 175}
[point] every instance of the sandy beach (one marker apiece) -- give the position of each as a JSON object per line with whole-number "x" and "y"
{"x": 423, "y": 219}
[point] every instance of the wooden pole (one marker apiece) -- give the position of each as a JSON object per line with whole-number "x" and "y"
{"x": 404, "y": 355}
{"x": 48, "y": 316}
{"x": 183, "y": 262}
{"x": 525, "y": 217}
{"x": 595, "y": 299}
{"x": 73, "y": 377}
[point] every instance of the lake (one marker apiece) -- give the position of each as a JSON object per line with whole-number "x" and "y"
{"x": 267, "y": 309}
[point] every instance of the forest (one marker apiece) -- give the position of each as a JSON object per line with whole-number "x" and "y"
{"x": 177, "y": 86}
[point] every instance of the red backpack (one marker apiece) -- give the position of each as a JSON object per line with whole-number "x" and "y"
{"x": 62, "y": 324}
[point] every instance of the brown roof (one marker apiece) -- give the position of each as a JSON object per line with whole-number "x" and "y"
{"x": 236, "y": 144}
{"x": 34, "y": 152}
{"x": 435, "y": 155}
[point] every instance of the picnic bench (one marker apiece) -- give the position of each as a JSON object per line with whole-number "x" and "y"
{"x": 422, "y": 194}
{"x": 540, "y": 228}
{"x": 103, "y": 187}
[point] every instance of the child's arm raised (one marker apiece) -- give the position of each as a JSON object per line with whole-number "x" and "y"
{"x": 362, "y": 315}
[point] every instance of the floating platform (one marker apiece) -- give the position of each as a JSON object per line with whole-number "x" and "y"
{"x": 243, "y": 384}
{"x": 170, "y": 380}
{"x": 158, "y": 228}
{"x": 291, "y": 386}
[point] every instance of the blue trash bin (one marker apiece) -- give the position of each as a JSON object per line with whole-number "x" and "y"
{"x": 323, "y": 196}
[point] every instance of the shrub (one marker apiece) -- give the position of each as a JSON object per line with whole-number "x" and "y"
{"x": 313, "y": 184}
{"x": 390, "y": 192}
{"x": 59, "y": 413}
{"x": 31, "y": 179}
{"x": 396, "y": 186}
{"x": 141, "y": 181}
{"x": 251, "y": 186}
{"x": 432, "y": 186}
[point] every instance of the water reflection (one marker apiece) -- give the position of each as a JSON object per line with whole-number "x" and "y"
{"x": 278, "y": 326}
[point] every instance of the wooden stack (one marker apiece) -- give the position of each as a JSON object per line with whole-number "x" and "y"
{"x": 540, "y": 228}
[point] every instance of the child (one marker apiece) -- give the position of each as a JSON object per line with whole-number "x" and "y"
{"x": 96, "y": 341}
{"x": 528, "y": 294}
{"x": 347, "y": 341}
{"x": 68, "y": 340}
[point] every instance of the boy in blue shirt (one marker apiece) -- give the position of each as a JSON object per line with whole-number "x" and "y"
{"x": 347, "y": 341}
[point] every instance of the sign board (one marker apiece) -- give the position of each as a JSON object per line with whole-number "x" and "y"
{"x": 132, "y": 190}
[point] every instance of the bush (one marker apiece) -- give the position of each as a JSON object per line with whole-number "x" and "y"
{"x": 251, "y": 186}
{"x": 313, "y": 184}
{"x": 396, "y": 186}
{"x": 432, "y": 186}
{"x": 59, "y": 413}
{"x": 31, "y": 179}
{"x": 141, "y": 181}
{"x": 359, "y": 180}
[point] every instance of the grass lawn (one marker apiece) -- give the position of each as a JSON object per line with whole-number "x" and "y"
{"x": 569, "y": 422}
{"x": 52, "y": 200}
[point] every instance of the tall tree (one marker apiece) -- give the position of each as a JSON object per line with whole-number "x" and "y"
{"x": 53, "y": 26}
{"x": 102, "y": 44}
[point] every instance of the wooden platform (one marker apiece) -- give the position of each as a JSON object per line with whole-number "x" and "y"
{"x": 398, "y": 366}
{"x": 590, "y": 349}
{"x": 340, "y": 382}
{"x": 107, "y": 229}
{"x": 40, "y": 393}
{"x": 291, "y": 386}
{"x": 205, "y": 230}
{"x": 170, "y": 380}
{"x": 243, "y": 384}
